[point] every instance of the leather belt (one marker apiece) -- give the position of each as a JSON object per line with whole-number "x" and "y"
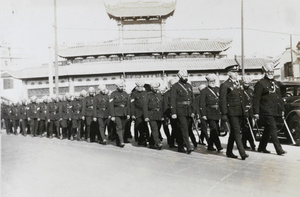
{"x": 184, "y": 102}
{"x": 154, "y": 109}
{"x": 121, "y": 105}
{"x": 102, "y": 108}
{"x": 214, "y": 106}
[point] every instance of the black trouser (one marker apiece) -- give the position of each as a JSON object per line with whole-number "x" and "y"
{"x": 127, "y": 131}
{"x": 270, "y": 131}
{"x": 191, "y": 133}
{"x": 246, "y": 134}
{"x": 15, "y": 125}
{"x": 183, "y": 124}
{"x": 214, "y": 134}
{"x": 53, "y": 127}
{"x": 120, "y": 123}
{"x": 204, "y": 134}
{"x": 102, "y": 125}
{"x": 88, "y": 123}
{"x": 8, "y": 125}
{"x": 155, "y": 130}
{"x": 42, "y": 127}
{"x": 94, "y": 131}
{"x": 170, "y": 138}
{"x": 235, "y": 136}
{"x": 140, "y": 132}
{"x": 66, "y": 126}
{"x": 33, "y": 126}
{"x": 23, "y": 126}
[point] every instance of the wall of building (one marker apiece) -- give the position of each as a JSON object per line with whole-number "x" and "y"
{"x": 74, "y": 84}
{"x": 15, "y": 91}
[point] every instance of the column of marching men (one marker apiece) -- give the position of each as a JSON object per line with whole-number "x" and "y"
{"x": 105, "y": 116}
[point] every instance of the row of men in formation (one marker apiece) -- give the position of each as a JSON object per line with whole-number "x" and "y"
{"x": 234, "y": 104}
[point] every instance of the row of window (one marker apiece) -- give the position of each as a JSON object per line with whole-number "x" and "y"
{"x": 127, "y": 77}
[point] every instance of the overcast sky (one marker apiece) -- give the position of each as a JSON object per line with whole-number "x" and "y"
{"x": 27, "y": 25}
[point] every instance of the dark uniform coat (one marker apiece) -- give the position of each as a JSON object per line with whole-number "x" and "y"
{"x": 209, "y": 103}
{"x": 33, "y": 109}
{"x": 43, "y": 111}
{"x": 119, "y": 104}
{"x": 153, "y": 106}
{"x": 137, "y": 99}
{"x": 14, "y": 114}
{"x": 267, "y": 98}
{"x": 22, "y": 111}
{"x": 77, "y": 109}
{"x": 101, "y": 106}
{"x": 88, "y": 106}
{"x": 232, "y": 99}
{"x": 182, "y": 98}
{"x": 65, "y": 110}
{"x": 53, "y": 111}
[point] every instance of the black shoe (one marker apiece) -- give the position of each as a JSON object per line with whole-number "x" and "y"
{"x": 219, "y": 149}
{"x": 190, "y": 150}
{"x": 232, "y": 156}
{"x": 121, "y": 145}
{"x": 244, "y": 156}
{"x": 159, "y": 146}
{"x": 247, "y": 147}
{"x": 142, "y": 143}
{"x": 263, "y": 151}
{"x": 181, "y": 150}
{"x": 282, "y": 152}
{"x": 211, "y": 149}
{"x": 104, "y": 142}
{"x": 253, "y": 148}
{"x": 173, "y": 146}
{"x": 126, "y": 141}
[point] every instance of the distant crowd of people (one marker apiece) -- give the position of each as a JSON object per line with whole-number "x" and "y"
{"x": 102, "y": 116}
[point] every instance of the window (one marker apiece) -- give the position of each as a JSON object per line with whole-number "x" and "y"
{"x": 8, "y": 84}
{"x": 88, "y": 80}
{"x": 288, "y": 69}
{"x": 96, "y": 79}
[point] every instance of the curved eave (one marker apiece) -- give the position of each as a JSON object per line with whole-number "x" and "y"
{"x": 139, "y": 9}
{"x": 171, "y": 47}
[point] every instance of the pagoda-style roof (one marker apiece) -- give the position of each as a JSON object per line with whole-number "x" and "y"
{"x": 212, "y": 46}
{"x": 138, "y": 66}
{"x": 118, "y": 9}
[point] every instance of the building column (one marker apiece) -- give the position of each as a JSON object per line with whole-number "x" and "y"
{"x": 162, "y": 30}
{"x": 24, "y": 89}
{"x": 71, "y": 85}
{"x": 121, "y": 36}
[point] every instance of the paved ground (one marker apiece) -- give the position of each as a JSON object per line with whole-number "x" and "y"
{"x": 61, "y": 168}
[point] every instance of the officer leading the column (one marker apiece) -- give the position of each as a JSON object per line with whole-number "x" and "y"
{"x": 268, "y": 105}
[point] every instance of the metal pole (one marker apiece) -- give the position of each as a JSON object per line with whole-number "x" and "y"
{"x": 242, "y": 36}
{"x": 50, "y": 74}
{"x": 56, "y": 54}
{"x": 291, "y": 44}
